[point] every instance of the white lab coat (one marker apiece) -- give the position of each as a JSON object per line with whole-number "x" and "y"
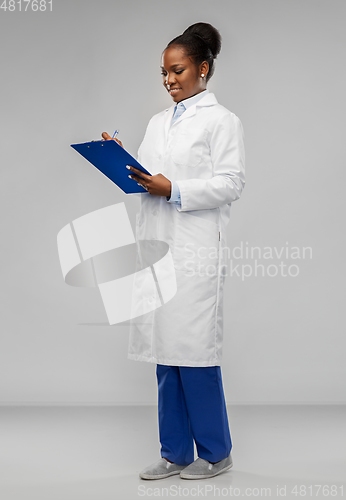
{"x": 203, "y": 152}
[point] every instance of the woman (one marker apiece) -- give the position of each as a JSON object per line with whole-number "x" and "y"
{"x": 195, "y": 152}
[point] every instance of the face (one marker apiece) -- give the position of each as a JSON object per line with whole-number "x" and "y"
{"x": 181, "y": 77}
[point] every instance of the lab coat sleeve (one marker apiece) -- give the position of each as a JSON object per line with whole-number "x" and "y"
{"x": 228, "y": 160}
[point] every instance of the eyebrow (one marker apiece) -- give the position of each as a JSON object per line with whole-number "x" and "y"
{"x": 174, "y": 66}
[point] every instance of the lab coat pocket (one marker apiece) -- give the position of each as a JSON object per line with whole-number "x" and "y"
{"x": 196, "y": 246}
{"x": 189, "y": 147}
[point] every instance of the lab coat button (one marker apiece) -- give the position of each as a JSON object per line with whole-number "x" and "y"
{"x": 155, "y": 212}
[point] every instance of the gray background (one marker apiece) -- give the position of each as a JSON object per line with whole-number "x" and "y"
{"x": 89, "y": 67}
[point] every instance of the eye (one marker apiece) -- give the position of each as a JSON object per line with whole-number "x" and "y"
{"x": 163, "y": 73}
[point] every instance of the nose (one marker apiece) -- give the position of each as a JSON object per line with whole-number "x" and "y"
{"x": 169, "y": 80}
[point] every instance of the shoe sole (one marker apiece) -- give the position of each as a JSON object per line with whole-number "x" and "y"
{"x": 159, "y": 476}
{"x": 204, "y": 476}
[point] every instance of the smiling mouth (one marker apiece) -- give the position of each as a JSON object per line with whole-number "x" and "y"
{"x": 174, "y": 90}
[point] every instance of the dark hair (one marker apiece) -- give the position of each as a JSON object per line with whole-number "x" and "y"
{"x": 202, "y": 42}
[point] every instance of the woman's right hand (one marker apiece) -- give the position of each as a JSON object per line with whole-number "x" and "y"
{"x": 107, "y": 137}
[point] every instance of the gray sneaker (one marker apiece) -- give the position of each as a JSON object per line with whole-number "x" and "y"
{"x": 202, "y": 469}
{"x": 160, "y": 469}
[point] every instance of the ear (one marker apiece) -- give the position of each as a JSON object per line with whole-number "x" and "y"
{"x": 204, "y": 68}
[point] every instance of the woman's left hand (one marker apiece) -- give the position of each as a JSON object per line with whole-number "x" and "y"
{"x": 155, "y": 184}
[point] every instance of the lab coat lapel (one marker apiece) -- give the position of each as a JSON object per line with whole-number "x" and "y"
{"x": 167, "y": 121}
{"x": 189, "y": 112}
{"x": 207, "y": 100}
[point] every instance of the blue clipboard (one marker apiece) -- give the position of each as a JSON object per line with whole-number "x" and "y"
{"x": 111, "y": 159}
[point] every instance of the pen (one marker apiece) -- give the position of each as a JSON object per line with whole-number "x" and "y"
{"x": 115, "y": 133}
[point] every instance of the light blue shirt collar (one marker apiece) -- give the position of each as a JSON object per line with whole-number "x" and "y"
{"x": 182, "y": 106}
{"x": 194, "y": 99}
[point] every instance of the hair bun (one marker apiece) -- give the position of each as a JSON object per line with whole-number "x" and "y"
{"x": 208, "y": 34}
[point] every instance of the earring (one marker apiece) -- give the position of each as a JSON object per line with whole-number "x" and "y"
{"x": 202, "y": 75}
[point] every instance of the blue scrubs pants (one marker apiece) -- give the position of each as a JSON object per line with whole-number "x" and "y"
{"x": 191, "y": 407}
